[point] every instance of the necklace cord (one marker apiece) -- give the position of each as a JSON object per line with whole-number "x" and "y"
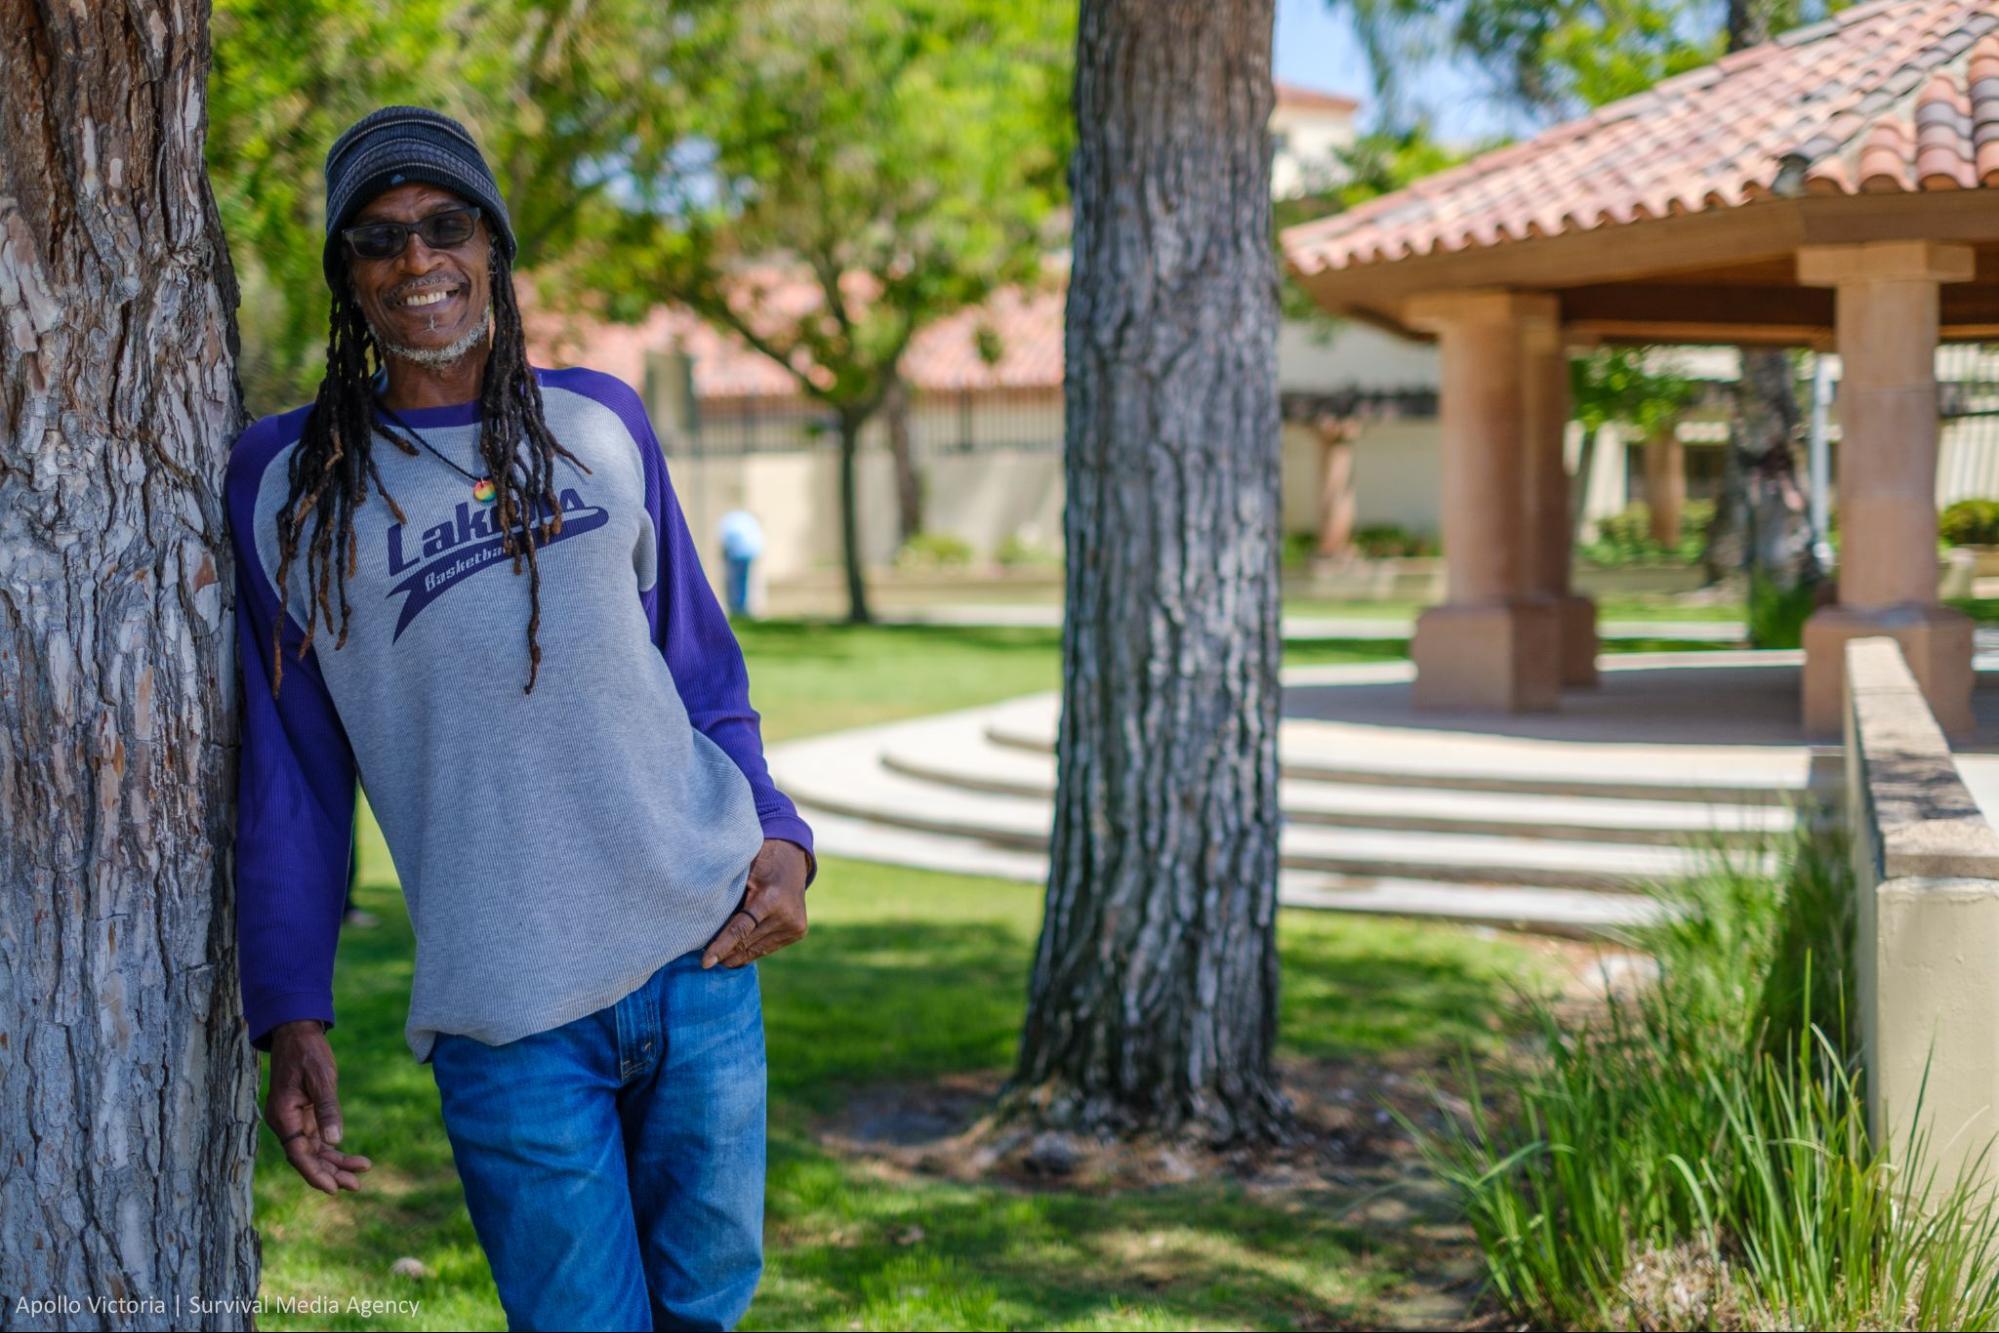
{"x": 394, "y": 416}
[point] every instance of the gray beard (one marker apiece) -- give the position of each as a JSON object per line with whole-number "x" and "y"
{"x": 436, "y": 357}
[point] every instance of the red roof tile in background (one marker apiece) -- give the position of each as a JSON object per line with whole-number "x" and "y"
{"x": 1024, "y": 327}
{"x": 1894, "y": 95}
{"x": 1311, "y": 99}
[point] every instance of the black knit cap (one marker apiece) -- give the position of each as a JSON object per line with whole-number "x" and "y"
{"x": 398, "y": 144}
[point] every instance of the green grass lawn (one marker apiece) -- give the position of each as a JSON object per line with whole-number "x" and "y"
{"x": 910, "y": 975}
{"x": 890, "y": 596}
{"x": 813, "y": 676}
{"x": 1662, "y": 608}
{"x": 1984, "y": 610}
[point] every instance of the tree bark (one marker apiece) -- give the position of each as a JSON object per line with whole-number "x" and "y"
{"x": 850, "y": 519}
{"x": 1760, "y": 528}
{"x": 908, "y": 483}
{"x": 128, "y": 1114}
{"x": 1153, "y": 1001}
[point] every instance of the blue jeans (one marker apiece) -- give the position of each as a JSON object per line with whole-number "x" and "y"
{"x": 614, "y": 1166}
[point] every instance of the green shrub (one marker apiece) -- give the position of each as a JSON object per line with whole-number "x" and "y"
{"x": 1699, "y": 1157}
{"x": 1625, "y": 538}
{"x": 1299, "y": 547}
{"x": 1385, "y": 541}
{"x": 1777, "y": 614}
{"x": 1970, "y": 523}
{"x": 934, "y": 550}
{"x": 1016, "y": 552}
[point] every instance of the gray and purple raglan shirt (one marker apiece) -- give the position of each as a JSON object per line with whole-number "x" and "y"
{"x": 555, "y": 848}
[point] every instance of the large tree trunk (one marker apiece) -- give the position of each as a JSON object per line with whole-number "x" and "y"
{"x": 1762, "y": 528}
{"x": 850, "y": 518}
{"x": 1153, "y": 1003}
{"x": 1778, "y": 539}
{"x": 128, "y": 1115}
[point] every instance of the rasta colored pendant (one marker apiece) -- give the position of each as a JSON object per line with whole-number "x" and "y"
{"x": 483, "y": 489}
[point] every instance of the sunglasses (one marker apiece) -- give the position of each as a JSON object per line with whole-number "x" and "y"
{"x": 446, "y": 230}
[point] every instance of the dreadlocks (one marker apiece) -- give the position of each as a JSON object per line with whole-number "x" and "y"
{"x": 334, "y": 462}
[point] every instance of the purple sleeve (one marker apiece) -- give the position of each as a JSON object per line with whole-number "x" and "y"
{"x": 294, "y": 793}
{"x": 693, "y": 633}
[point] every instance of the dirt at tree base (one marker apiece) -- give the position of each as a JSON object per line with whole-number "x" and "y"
{"x": 1348, "y": 1127}
{"x": 1350, "y": 1154}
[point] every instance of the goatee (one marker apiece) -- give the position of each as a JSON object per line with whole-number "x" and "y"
{"x": 437, "y": 357}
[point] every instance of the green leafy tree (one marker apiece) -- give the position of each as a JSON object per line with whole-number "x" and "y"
{"x": 1623, "y": 386}
{"x": 1619, "y": 385}
{"x": 561, "y": 95}
{"x": 1551, "y": 60}
{"x": 903, "y": 159}
{"x": 1379, "y": 161}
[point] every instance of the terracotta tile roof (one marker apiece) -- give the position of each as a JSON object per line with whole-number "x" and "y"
{"x": 1893, "y": 95}
{"x": 1025, "y": 328}
{"x": 1311, "y": 99}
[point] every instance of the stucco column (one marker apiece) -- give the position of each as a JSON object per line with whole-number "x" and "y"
{"x": 1547, "y": 535}
{"x": 1494, "y": 644}
{"x": 1886, "y": 332}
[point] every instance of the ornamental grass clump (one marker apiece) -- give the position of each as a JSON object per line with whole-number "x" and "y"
{"x": 1698, "y": 1156}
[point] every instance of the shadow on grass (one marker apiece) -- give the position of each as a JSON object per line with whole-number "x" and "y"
{"x": 909, "y": 976}
{"x": 870, "y": 1002}
{"x": 931, "y": 1254}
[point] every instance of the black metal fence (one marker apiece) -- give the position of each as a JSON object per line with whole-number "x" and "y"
{"x": 961, "y": 422}
{"x": 1968, "y": 380}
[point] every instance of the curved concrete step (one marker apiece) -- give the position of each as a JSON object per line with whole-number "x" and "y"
{"x": 1543, "y": 824}
{"x": 1378, "y": 756}
{"x": 954, "y": 751}
{"x": 841, "y": 775}
{"x": 1549, "y": 911}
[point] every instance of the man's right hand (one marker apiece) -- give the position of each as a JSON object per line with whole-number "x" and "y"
{"x": 303, "y": 1107}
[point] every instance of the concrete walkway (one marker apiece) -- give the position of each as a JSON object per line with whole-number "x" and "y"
{"x": 1554, "y": 822}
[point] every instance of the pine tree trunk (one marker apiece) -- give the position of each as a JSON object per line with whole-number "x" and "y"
{"x": 1760, "y": 527}
{"x": 1153, "y": 1002}
{"x": 850, "y": 519}
{"x": 128, "y": 1115}
{"x": 1770, "y": 422}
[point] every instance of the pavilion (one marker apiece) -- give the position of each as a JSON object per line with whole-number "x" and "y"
{"x": 1828, "y": 189}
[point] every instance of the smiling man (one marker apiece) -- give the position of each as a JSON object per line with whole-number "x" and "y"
{"x": 466, "y": 581}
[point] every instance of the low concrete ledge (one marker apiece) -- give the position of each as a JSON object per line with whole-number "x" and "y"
{"x": 1923, "y": 820}
{"x": 1926, "y": 878}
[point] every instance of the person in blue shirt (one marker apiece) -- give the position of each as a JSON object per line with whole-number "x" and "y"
{"x": 742, "y": 543}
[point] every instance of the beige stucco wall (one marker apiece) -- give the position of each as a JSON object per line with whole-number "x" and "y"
{"x": 795, "y": 496}
{"x": 997, "y": 491}
{"x": 1398, "y": 475}
{"x": 1301, "y": 478}
{"x": 1926, "y": 870}
{"x": 981, "y": 497}
{"x": 1320, "y": 357}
